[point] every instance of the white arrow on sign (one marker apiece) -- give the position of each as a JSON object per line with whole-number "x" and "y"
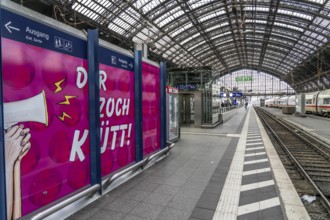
{"x": 131, "y": 65}
{"x": 10, "y": 27}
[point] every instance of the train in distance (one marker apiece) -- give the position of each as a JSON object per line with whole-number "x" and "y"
{"x": 315, "y": 102}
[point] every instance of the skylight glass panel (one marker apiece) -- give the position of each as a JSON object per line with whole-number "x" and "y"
{"x": 181, "y": 29}
{"x": 92, "y": 5}
{"x": 313, "y": 35}
{"x": 167, "y": 39}
{"x": 196, "y": 45}
{"x": 146, "y": 5}
{"x": 85, "y": 11}
{"x": 216, "y": 26}
{"x": 327, "y": 5}
{"x": 255, "y": 21}
{"x": 288, "y": 26}
{"x": 202, "y": 53}
{"x": 186, "y": 40}
{"x": 198, "y": 3}
{"x": 158, "y": 45}
{"x": 325, "y": 23}
{"x": 128, "y": 19}
{"x": 233, "y": 63}
{"x": 121, "y": 23}
{"x": 77, "y": 7}
{"x": 165, "y": 21}
{"x": 211, "y": 15}
{"x": 317, "y": 1}
{"x": 264, "y": 9}
{"x": 294, "y": 14}
{"x": 167, "y": 17}
{"x": 177, "y": 14}
{"x": 271, "y": 61}
{"x": 220, "y": 35}
{"x": 320, "y": 38}
{"x": 105, "y": 3}
{"x": 97, "y": 8}
{"x": 82, "y": 9}
{"x": 162, "y": 42}
{"x": 195, "y": 35}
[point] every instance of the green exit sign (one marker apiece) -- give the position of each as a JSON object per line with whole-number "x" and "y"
{"x": 243, "y": 78}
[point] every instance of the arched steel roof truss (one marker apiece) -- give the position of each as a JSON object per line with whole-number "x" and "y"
{"x": 275, "y": 36}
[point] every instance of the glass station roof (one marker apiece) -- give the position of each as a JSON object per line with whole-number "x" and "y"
{"x": 274, "y": 36}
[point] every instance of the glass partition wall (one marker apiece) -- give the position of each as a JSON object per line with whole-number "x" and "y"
{"x": 254, "y": 82}
{"x": 254, "y": 85}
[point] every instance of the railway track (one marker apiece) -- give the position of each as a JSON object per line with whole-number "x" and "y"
{"x": 308, "y": 154}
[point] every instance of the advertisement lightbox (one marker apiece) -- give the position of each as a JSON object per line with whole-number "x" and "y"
{"x": 117, "y": 110}
{"x": 45, "y": 113}
{"x": 150, "y": 107}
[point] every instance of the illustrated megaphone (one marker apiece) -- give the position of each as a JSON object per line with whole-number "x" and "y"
{"x": 31, "y": 109}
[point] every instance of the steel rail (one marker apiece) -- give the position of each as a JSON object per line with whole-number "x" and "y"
{"x": 324, "y": 198}
{"x": 290, "y": 126}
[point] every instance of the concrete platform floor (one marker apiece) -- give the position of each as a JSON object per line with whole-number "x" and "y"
{"x": 196, "y": 177}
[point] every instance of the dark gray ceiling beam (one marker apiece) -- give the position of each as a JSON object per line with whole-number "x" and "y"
{"x": 185, "y": 7}
{"x": 273, "y": 7}
{"x": 310, "y": 23}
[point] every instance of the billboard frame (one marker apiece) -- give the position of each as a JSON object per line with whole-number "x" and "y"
{"x": 94, "y": 107}
{"x": 3, "y": 193}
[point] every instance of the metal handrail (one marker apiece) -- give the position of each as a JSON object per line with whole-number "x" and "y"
{"x": 142, "y": 163}
{"x": 119, "y": 174}
{"x": 170, "y": 145}
{"x": 53, "y": 209}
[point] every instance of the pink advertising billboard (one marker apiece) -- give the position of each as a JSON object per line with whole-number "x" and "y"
{"x": 46, "y": 120}
{"x": 150, "y": 107}
{"x": 117, "y": 111}
{"x": 45, "y": 95}
{"x": 46, "y": 113}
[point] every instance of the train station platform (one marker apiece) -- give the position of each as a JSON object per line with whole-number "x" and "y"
{"x": 318, "y": 126}
{"x": 229, "y": 172}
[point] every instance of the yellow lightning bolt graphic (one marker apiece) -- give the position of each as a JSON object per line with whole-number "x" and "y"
{"x": 67, "y": 100}
{"x": 64, "y": 115}
{"x": 58, "y": 86}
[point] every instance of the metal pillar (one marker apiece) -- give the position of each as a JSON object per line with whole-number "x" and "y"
{"x": 94, "y": 106}
{"x": 138, "y": 105}
{"x": 163, "y": 127}
{"x": 3, "y": 200}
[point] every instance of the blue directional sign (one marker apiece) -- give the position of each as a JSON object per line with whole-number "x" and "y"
{"x": 237, "y": 94}
{"x": 28, "y": 31}
{"x": 231, "y": 94}
{"x": 112, "y": 58}
{"x": 187, "y": 87}
{"x": 22, "y": 29}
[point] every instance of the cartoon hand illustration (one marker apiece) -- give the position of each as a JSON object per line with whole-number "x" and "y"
{"x": 25, "y": 143}
{"x": 17, "y": 144}
{"x": 13, "y": 139}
